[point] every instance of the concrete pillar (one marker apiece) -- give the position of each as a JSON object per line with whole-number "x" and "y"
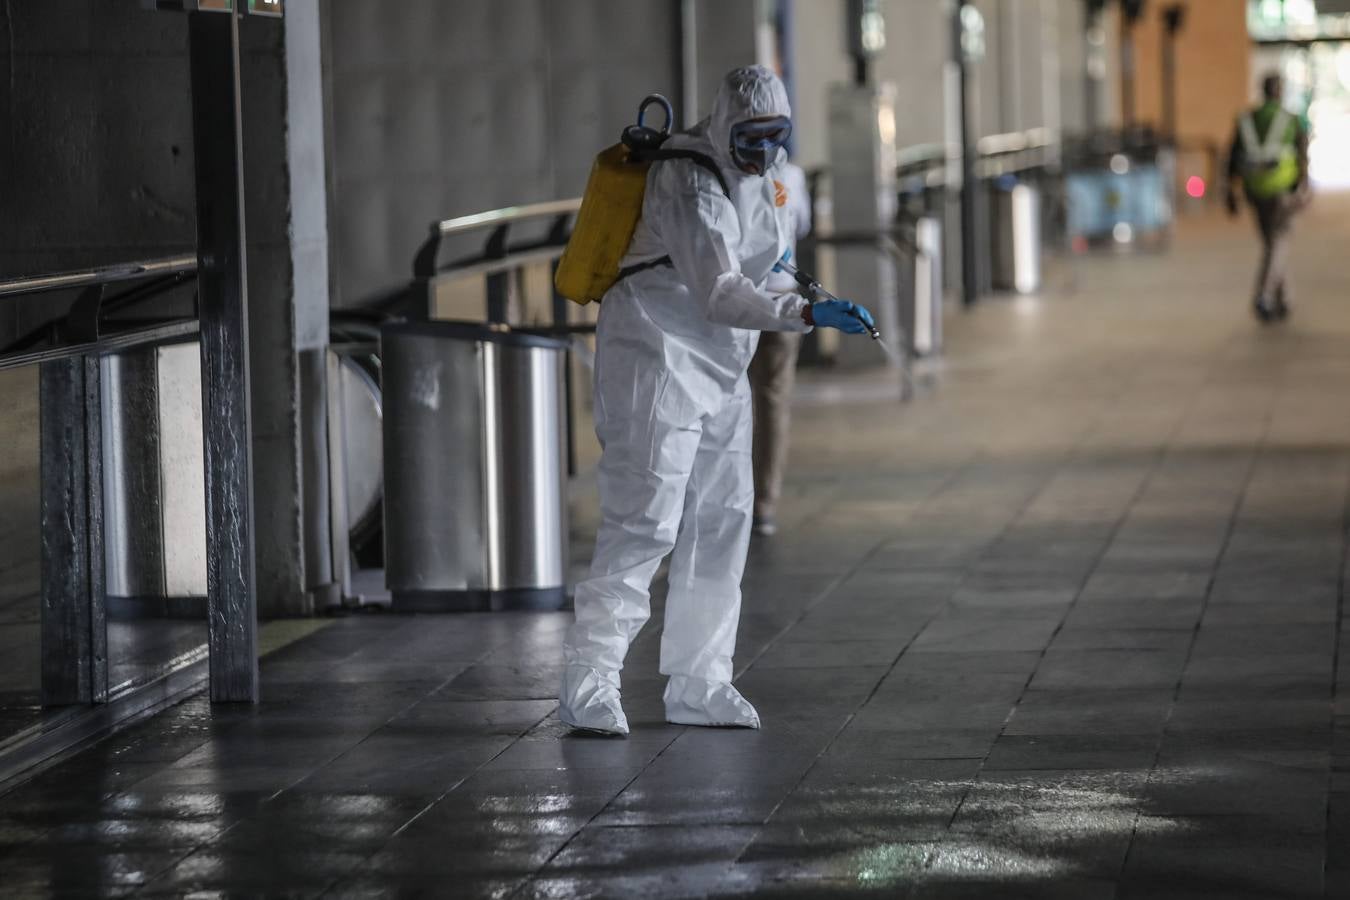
{"x": 821, "y": 60}
{"x": 271, "y": 334}
{"x": 915, "y": 58}
{"x": 726, "y": 38}
{"x": 284, "y": 156}
{"x": 307, "y": 158}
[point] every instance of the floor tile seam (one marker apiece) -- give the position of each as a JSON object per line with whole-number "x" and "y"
{"x": 1160, "y": 454}
{"x": 966, "y": 574}
{"x": 426, "y": 809}
{"x": 370, "y": 734}
{"x": 820, "y": 599}
{"x": 149, "y": 882}
{"x": 144, "y": 717}
{"x": 1336, "y": 666}
{"x": 534, "y": 875}
{"x": 1119, "y": 398}
{"x": 479, "y": 768}
{"x": 936, "y": 491}
{"x": 204, "y": 846}
{"x": 1254, "y": 455}
{"x": 1145, "y": 480}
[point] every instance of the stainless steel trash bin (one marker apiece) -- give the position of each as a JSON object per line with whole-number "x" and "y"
{"x": 921, "y": 300}
{"x": 1015, "y": 245}
{"x": 474, "y": 507}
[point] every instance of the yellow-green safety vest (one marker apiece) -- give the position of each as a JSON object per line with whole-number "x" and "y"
{"x": 1270, "y": 161}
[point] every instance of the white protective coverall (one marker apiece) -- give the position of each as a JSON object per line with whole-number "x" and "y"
{"x": 672, "y": 411}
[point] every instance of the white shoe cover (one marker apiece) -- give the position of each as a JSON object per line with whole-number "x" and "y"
{"x": 589, "y": 700}
{"x": 693, "y": 701}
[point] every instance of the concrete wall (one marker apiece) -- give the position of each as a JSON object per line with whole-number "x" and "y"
{"x": 1072, "y": 55}
{"x": 918, "y": 42}
{"x": 97, "y": 168}
{"x": 18, "y": 482}
{"x": 1019, "y": 81}
{"x": 725, "y": 40}
{"x": 821, "y": 59}
{"x": 448, "y": 107}
{"x": 1030, "y": 76}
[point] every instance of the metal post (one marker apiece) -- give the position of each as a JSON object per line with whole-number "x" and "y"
{"x": 569, "y": 433}
{"x": 969, "y": 248}
{"x": 1173, "y": 17}
{"x": 1092, "y": 63}
{"x": 498, "y": 283}
{"x": 74, "y": 622}
{"x": 1169, "y": 98}
{"x": 1130, "y": 11}
{"x": 232, "y": 602}
{"x": 498, "y": 296}
{"x": 1126, "y": 75}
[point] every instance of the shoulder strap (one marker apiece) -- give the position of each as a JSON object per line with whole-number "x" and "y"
{"x": 657, "y": 155}
{"x": 644, "y": 266}
{"x": 1278, "y": 131}
{"x": 700, "y": 159}
{"x": 1251, "y": 144}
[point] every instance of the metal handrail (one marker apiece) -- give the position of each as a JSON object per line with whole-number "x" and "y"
{"x": 34, "y": 284}
{"x": 925, "y": 154}
{"x": 497, "y": 256}
{"x": 167, "y": 333}
{"x": 1015, "y": 142}
{"x": 506, "y": 215}
{"x": 78, "y": 331}
{"x": 997, "y": 154}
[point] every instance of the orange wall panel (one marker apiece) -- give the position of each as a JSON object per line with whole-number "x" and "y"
{"x": 1213, "y": 54}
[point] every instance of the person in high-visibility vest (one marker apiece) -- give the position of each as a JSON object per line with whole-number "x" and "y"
{"x": 1270, "y": 156}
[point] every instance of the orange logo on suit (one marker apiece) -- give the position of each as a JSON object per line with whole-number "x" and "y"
{"x": 779, "y": 194}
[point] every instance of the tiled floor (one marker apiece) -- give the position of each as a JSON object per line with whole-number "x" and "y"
{"x": 1066, "y": 626}
{"x": 138, "y": 652}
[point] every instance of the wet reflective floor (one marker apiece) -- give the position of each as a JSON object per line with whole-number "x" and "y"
{"x": 1065, "y": 626}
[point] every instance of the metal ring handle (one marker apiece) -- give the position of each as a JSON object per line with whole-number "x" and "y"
{"x": 665, "y": 105}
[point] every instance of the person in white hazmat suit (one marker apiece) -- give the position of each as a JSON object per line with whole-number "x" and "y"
{"x": 672, "y": 412}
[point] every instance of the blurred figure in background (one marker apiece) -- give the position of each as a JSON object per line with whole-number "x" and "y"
{"x": 1270, "y": 155}
{"x": 773, "y": 372}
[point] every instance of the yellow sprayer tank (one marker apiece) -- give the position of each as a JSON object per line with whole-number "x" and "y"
{"x": 604, "y": 226}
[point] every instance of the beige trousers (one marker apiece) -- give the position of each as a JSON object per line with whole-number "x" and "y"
{"x": 1275, "y": 219}
{"x": 773, "y": 372}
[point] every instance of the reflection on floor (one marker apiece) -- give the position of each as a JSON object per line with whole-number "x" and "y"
{"x": 138, "y": 652}
{"x": 1065, "y": 626}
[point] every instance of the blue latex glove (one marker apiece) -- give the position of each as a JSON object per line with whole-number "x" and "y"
{"x": 785, "y": 258}
{"x": 843, "y": 315}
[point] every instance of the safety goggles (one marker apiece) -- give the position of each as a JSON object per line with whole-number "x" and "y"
{"x": 755, "y": 143}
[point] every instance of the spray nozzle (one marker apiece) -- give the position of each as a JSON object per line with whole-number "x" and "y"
{"x": 813, "y": 288}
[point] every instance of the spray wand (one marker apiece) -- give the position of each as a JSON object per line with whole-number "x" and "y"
{"x": 813, "y": 288}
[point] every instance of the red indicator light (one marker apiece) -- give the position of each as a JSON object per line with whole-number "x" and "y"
{"x": 1195, "y": 186}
